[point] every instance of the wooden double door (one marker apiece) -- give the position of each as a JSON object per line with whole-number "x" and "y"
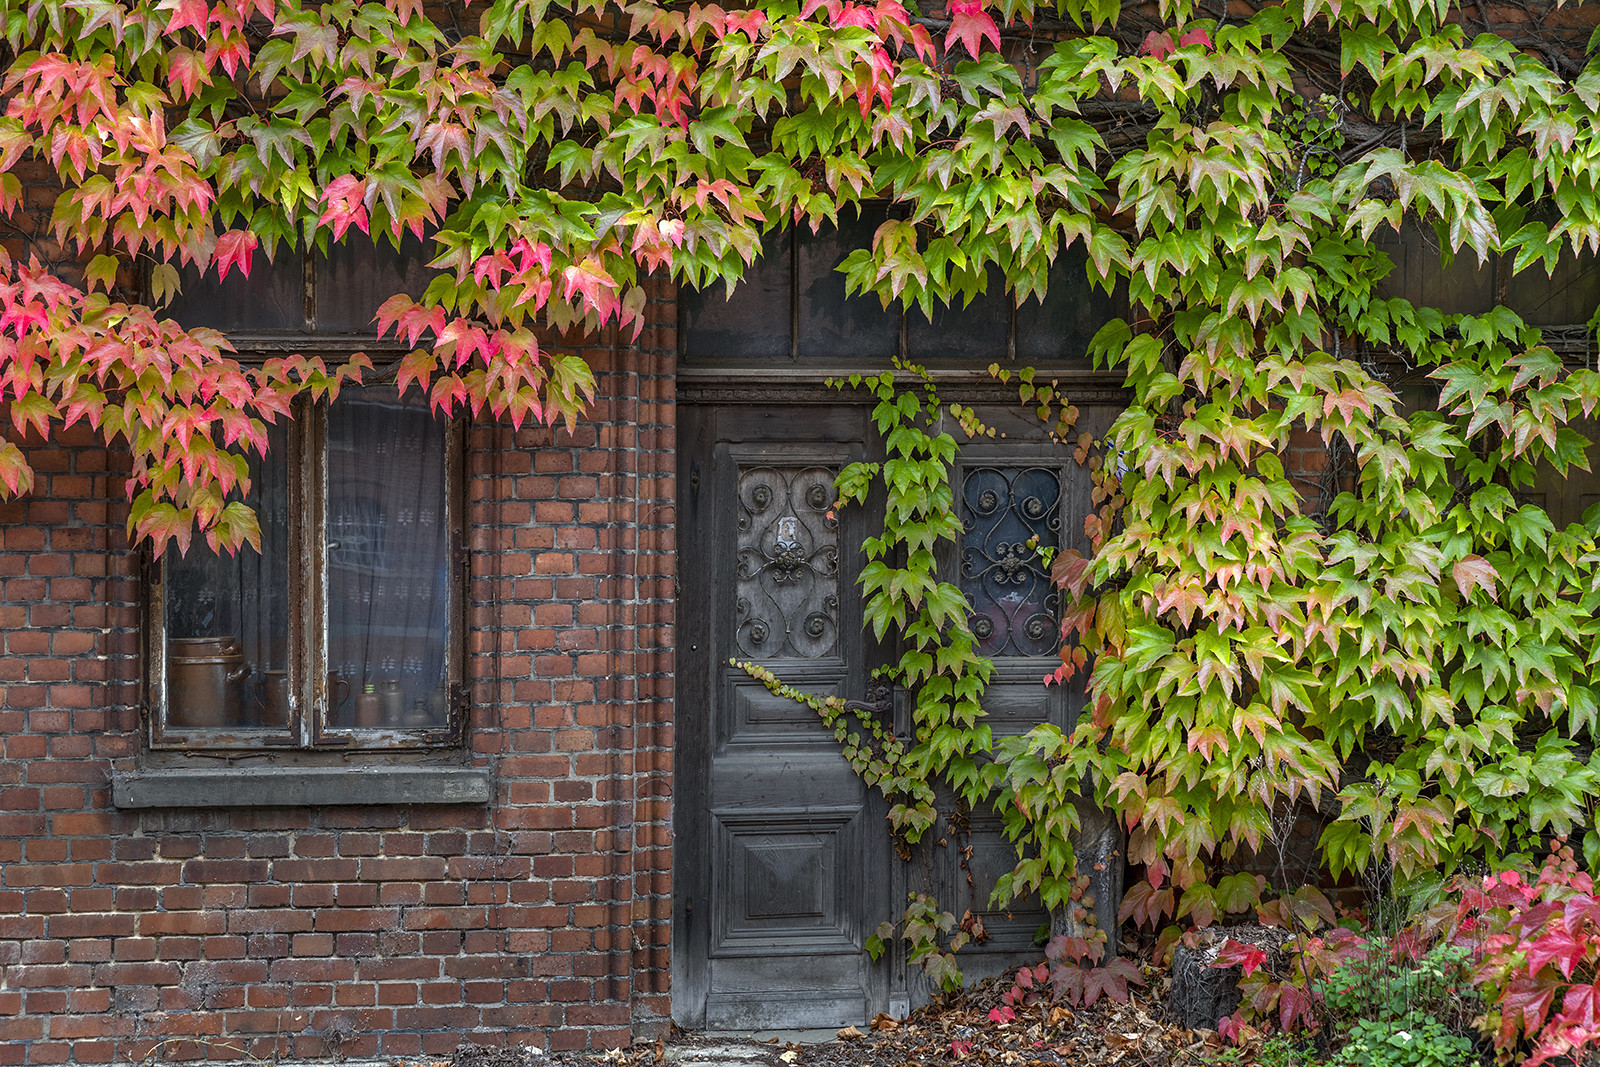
{"x": 783, "y": 863}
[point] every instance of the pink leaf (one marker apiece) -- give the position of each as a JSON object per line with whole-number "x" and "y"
{"x": 1476, "y": 571}
{"x": 186, "y": 70}
{"x": 970, "y": 24}
{"x": 1157, "y": 45}
{"x": 234, "y": 247}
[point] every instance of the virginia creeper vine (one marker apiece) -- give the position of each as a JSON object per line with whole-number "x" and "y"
{"x": 1416, "y": 659}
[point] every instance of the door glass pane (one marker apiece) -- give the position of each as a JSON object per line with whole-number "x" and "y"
{"x": 388, "y": 565}
{"x": 788, "y": 563}
{"x": 227, "y": 616}
{"x": 1013, "y": 605}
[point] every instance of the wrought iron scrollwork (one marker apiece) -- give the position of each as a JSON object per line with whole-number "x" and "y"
{"x": 1014, "y": 607}
{"x": 788, "y": 563}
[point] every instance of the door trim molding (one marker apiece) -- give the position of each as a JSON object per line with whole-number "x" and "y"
{"x": 792, "y": 385}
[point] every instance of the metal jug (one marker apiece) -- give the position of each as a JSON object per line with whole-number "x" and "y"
{"x": 205, "y": 678}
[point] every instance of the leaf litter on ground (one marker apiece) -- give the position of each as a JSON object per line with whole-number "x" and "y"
{"x": 965, "y": 1028}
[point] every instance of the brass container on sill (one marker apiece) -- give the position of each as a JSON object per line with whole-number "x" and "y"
{"x": 205, "y": 677}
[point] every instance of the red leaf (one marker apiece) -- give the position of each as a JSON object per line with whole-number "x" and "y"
{"x": 1237, "y": 954}
{"x": 191, "y": 13}
{"x": 1294, "y": 1005}
{"x": 1157, "y": 45}
{"x": 1579, "y": 1005}
{"x": 970, "y": 24}
{"x": 1110, "y": 981}
{"x": 234, "y": 247}
{"x": 1068, "y": 981}
{"x": 1200, "y": 37}
{"x": 1233, "y": 1028}
{"x": 1580, "y": 910}
{"x": 346, "y": 200}
{"x": 1063, "y": 947}
{"x": 1528, "y": 1000}
{"x": 416, "y": 366}
{"x": 1562, "y": 949}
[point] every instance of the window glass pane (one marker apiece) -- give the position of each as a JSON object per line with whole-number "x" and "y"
{"x": 976, "y": 331}
{"x": 832, "y": 325}
{"x": 271, "y": 298}
{"x": 388, "y": 565}
{"x": 754, "y": 323}
{"x": 359, "y": 273}
{"x": 1013, "y": 605}
{"x": 227, "y": 616}
{"x": 1061, "y": 326}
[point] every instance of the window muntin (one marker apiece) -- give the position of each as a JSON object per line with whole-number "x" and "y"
{"x": 358, "y": 584}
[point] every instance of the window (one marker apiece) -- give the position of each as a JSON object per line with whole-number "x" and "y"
{"x": 1005, "y": 512}
{"x": 344, "y": 630}
{"x": 792, "y": 308}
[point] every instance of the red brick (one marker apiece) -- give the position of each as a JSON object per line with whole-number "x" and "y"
{"x": 345, "y": 913}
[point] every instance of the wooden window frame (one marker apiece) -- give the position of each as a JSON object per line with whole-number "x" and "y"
{"x": 308, "y": 729}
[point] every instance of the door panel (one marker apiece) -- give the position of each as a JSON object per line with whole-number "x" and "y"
{"x": 1008, "y": 490}
{"x": 780, "y": 855}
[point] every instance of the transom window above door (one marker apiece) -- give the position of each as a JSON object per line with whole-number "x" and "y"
{"x": 792, "y": 308}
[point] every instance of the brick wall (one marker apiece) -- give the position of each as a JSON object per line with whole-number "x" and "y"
{"x": 538, "y": 919}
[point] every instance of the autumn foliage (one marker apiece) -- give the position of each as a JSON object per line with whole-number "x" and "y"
{"x": 1409, "y": 647}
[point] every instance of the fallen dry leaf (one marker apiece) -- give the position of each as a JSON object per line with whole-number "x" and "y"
{"x": 850, "y": 1033}
{"x": 884, "y": 1021}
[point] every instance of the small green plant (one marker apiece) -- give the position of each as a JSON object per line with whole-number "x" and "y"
{"x": 924, "y": 927}
{"x": 1279, "y": 1051}
{"x": 1412, "y": 1040}
{"x": 1274, "y": 1051}
{"x": 1388, "y": 983}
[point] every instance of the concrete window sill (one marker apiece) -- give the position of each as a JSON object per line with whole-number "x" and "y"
{"x": 285, "y": 787}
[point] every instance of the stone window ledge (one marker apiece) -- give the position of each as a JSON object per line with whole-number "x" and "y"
{"x": 281, "y": 787}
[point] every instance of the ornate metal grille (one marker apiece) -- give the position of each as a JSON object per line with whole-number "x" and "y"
{"x": 1014, "y": 608}
{"x": 788, "y": 563}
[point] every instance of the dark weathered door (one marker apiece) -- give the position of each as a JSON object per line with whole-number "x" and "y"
{"x": 782, "y": 863}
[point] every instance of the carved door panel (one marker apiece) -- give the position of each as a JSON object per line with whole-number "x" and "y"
{"x": 781, "y": 865}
